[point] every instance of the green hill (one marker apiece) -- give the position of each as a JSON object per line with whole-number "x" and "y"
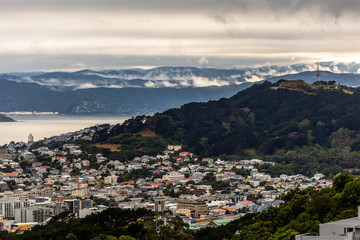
{"x": 265, "y": 117}
{"x": 312, "y": 126}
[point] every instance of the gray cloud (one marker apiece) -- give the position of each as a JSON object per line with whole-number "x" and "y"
{"x": 43, "y": 34}
{"x": 334, "y": 8}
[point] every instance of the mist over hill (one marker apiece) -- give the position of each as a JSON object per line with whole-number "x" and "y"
{"x": 15, "y": 96}
{"x": 182, "y": 77}
{"x": 136, "y": 91}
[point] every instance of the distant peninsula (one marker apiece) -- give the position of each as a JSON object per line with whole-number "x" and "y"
{"x": 4, "y": 118}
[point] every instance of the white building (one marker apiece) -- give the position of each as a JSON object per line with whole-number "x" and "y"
{"x": 33, "y": 214}
{"x": 346, "y": 229}
{"x": 111, "y": 179}
{"x": 173, "y": 176}
{"x": 8, "y": 206}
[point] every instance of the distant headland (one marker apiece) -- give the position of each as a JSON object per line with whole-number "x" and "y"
{"x": 4, "y": 118}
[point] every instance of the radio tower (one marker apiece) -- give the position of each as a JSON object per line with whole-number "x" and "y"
{"x": 318, "y": 72}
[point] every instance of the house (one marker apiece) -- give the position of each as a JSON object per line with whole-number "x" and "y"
{"x": 85, "y": 163}
{"x": 185, "y": 154}
{"x": 174, "y": 147}
{"x": 111, "y": 179}
{"x": 173, "y": 176}
{"x": 9, "y": 175}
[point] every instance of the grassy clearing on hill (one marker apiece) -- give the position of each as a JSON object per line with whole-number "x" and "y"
{"x": 147, "y": 133}
{"x": 112, "y": 147}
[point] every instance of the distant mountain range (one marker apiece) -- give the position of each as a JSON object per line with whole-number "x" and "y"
{"x": 15, "y": 96}
{"x": 177, "y": 77}
{"x": 132, "y": 91}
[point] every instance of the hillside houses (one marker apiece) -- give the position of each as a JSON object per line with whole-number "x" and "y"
{"x": 63, "y": 178}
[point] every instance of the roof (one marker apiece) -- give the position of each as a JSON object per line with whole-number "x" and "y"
{"x": 349, "y": 222}
{"x": 229, "y": 208}
{"x": 224, "y": 221}
{"x": 11, "y": 174}
{"x": 130, "y": 182}
{"x": 61, "y": 198}
{"x": 156, "y": 184}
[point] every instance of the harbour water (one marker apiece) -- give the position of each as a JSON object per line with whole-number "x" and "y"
{"x": 41, "y": 126}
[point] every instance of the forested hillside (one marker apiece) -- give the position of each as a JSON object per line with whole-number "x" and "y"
{"x": 290, "y": 121}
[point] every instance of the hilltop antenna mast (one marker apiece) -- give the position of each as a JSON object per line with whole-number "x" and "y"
{"x": 318, "y": 72}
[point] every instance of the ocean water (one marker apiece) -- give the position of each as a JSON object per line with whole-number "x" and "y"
{"x": 49, "y": 125}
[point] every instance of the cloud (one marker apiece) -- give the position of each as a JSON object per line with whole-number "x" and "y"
{"x": 203, "y": 61}
{"x": 253, "y": 78}
{"x": 204, "y": 82}
{"x": 86, "y": 86}
{"x": 181, "y": 77}
{"x": 78, "y": 65}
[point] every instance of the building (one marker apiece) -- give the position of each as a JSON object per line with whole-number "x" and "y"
{"x": 111, "y": 179}
{"x": 8, "y": 206}
{"x": 173, "y": 176}
{"x": 88, "y": 211}
{"x": 30, "y": 139}
{"x": 200, "y": 208}
{"x": 75, "y": 205}
{"x": 174, "y": 147}
{"x": 33, "y": 214}
{"x": 346, "y": 229}
{"x": 186, "y": 212}
{"x": 80, "y": 192}
{"x": 159, "y": 205}
{"x": 3, "y": 153}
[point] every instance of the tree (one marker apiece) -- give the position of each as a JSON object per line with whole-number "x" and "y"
{"x": 190, "y": 182}
{"x": 105, "y": 237}
{"x": 342, "y": 138}
{"x": 71, "y": 236}
{"x": 126, "y": 237}
{"x": 350, "y": 196}
{"x": 341, "y": 180}
{"x": 12, "y": 185}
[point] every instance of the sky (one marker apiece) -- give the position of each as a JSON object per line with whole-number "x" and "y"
{"x": 47, "y": 35}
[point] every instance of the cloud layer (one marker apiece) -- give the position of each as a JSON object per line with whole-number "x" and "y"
{"x": 47, "y": 35}
{"x": 181, "y": 77}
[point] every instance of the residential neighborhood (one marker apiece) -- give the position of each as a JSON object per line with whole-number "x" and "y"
{"x": 37, "y": 183}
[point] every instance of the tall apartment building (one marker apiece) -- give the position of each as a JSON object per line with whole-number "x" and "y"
{"x": 75, "y": 205}
{"x": 200, "y": 208}
{"x": 8, "y": 206}
{"x": 159, "y": 205}
{"x": 33, "y": 214}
